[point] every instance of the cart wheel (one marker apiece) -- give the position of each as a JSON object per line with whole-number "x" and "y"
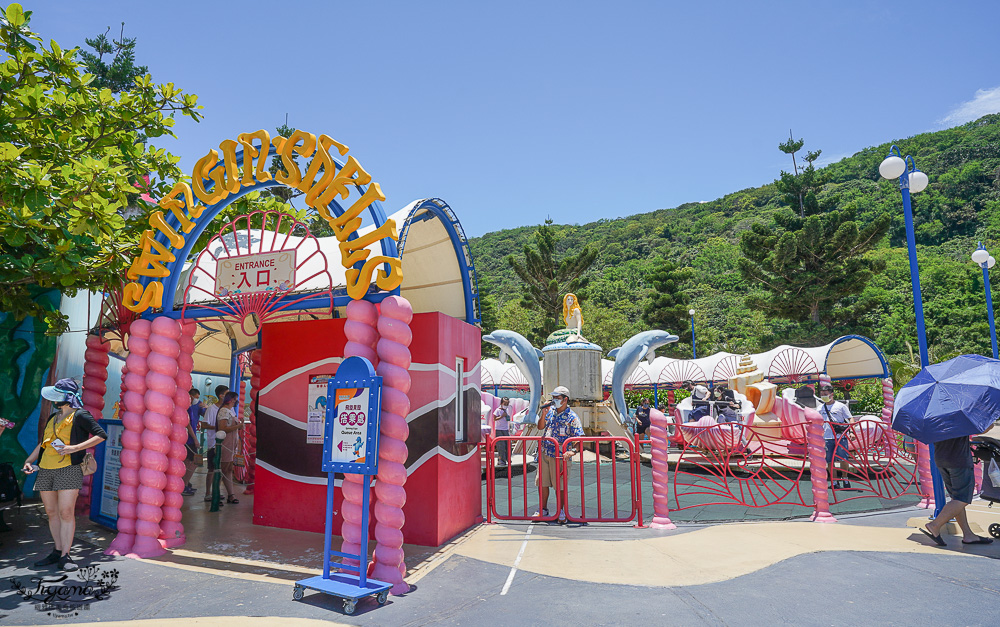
{"x": 382, "y": 597}
{"x": 995, "y": 530}
{"x": 348, "y": 606}
{"x": 297, "y": 593}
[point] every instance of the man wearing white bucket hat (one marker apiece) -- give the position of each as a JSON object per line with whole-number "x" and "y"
{"x": 560, "y": 424}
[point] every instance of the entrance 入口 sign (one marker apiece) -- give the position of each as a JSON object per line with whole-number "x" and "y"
{"x": 260, "y": 272}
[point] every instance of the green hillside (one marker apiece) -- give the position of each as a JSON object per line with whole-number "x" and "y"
{"x": 960, "y": 207}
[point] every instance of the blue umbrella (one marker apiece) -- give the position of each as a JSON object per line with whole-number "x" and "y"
{"x": 952, "y": 399}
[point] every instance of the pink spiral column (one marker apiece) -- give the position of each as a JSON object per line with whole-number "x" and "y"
{"x": 888, "y": 402}
{"x": 816, "y": 448}
{"x": 131, "y": 409}
{"x": 661, "y": 483}
{"x": 926, "y": 481}
{"x": 393, "y": 367}
{"x": 362, "y": 337}
{"x": 171, "y": 529}
{"x": 251, "y": 431}
{"x": 161, "y": 386}
{"x": 95, "y": 373}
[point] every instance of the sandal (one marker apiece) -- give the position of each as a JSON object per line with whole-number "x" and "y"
{"x": 938, "y": 540}
{"x": 233, "y": 500}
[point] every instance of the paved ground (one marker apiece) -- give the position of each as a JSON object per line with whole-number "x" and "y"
{"x": 868, "y": 569}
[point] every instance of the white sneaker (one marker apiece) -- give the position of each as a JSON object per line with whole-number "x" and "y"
{"x": 541, "y": 514}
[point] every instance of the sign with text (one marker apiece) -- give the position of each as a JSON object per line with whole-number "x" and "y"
{"x": 262, "y": 272}
{"x": 316, "y": 411}
{"x": 350, "y": 436}
{"x": 104, "y": 488}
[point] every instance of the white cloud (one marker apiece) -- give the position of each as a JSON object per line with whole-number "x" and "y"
{"x": 985, "y": 101}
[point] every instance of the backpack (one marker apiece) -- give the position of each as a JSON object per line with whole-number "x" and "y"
{"x": 9, "y": 488}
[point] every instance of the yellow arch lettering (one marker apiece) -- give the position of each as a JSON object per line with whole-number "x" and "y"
{"x": 355, "y": 250}
{"x": 201, "y": 170}
{"x": 320, "y": 160}
{"x": 138, "y": 300}
{"x": 157, "y": 221}
{"x": 228, "y": 176}
{"x": 359, "y": 280}
{"x": 346, "y": 176}
{"x": 292, "y": 175}
{"x": 175, "y": 205}
{"x": 150, "y": 260}
{"x": 251, "y": 152}
{"x": 373, "y": 193}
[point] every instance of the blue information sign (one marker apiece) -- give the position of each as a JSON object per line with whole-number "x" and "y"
{"x": 350, "y": 436}
{"x": 350, "y": 445}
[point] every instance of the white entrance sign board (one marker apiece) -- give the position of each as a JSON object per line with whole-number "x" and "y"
{"x": 261, "y": 272}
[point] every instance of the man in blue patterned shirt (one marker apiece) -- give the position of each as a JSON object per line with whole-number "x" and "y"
{"x": 561, "y": 423}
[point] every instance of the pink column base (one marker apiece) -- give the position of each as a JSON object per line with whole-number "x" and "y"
{"x": 145, "y": 547}
{"x": 121, "y": 545}
{"x": 661, "y": 523}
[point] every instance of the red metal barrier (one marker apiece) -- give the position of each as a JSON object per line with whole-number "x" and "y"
{"x": 876, "y": 465}
{"x": 630, "y": 498}
{"x": 528, "y": 472}
{"x": 731, "y": 464}
{"x": 509, "y": 496}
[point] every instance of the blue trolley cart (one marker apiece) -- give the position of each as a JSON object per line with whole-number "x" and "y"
{"x": 350, "y": 445}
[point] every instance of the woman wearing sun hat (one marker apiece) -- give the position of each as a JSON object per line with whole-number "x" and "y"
{"x": 69, "y": 432}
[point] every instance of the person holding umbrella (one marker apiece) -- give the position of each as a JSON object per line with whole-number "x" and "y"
{"x": 943, "y": 405}
{"x": 953, "y": 458}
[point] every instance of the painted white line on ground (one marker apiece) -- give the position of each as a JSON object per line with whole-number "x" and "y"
{"x": 513, "y": 569}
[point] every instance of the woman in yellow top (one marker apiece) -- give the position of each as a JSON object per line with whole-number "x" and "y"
{"x": 69, "y": 432}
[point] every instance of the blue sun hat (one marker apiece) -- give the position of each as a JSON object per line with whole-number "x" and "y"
{"x": 64, "y": 391}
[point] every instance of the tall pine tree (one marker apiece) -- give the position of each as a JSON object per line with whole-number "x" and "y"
{"x": 668, "y": 306}
{"x": 547, "y": 279}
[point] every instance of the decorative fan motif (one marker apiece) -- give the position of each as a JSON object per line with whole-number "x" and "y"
{"x": 726, "y": 368}
{"x": 512, "y": 379}
{"x": 677, "y": 372}
{"x": 235, "y": 270}
{"x": 115, "y": 318}
{"x": 791, "y": 366}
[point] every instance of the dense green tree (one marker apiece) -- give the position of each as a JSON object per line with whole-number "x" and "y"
{"x": 546, "y": 278}
{"x": 800, "y": 188}
{"x": 667, "y": 308}
{"x": 810, "y": 266}
{"x": 118, "y": 73}
{"x": 70, "y": 159}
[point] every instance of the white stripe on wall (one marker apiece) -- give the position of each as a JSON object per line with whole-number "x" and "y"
{"x": 437, "y": 450}
{"x": 289, "y": 476}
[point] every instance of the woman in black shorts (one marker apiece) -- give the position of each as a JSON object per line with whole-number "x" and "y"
{"x": 69, "y": 432}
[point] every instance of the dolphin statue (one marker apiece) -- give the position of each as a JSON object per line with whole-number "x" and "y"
{"x": 627, "y": 356}
{"x": 525, "y": 357}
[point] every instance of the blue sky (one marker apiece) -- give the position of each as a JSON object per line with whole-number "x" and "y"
{"x": 515, "y": 111}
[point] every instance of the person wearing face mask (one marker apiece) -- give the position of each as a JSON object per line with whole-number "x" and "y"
{"x": 560, "y": 424}
{"x": 69, "y": 432}
{"x": 725, "y": 405}
{"x": 836, "y": 419}
{"x": 700, "y": 407}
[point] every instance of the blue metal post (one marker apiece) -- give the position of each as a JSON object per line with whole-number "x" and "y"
{"x": 694, "y": 350}
{"x": 989, "y": 308}
{"x": 656, "y": 398}
{"x": 911, "y": 246}
{"x": 327, "y": 537}
{"x": 363, "y": 570}
{"x": 918, "y": 310}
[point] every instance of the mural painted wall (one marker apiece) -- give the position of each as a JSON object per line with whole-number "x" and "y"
{"x": 26, "y": 355}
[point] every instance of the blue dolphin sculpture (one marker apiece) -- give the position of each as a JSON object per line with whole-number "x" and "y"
{"x": 627, "y": 357}
{"x": 525, "y": 357}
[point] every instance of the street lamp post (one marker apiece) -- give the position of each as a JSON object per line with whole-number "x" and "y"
{"x": 912, "y": 180}
{"x": 694, "y": 350}
{"x": 985, "y": 261}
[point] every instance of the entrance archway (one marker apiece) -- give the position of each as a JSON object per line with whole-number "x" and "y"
{"x": 164, "y": 292}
